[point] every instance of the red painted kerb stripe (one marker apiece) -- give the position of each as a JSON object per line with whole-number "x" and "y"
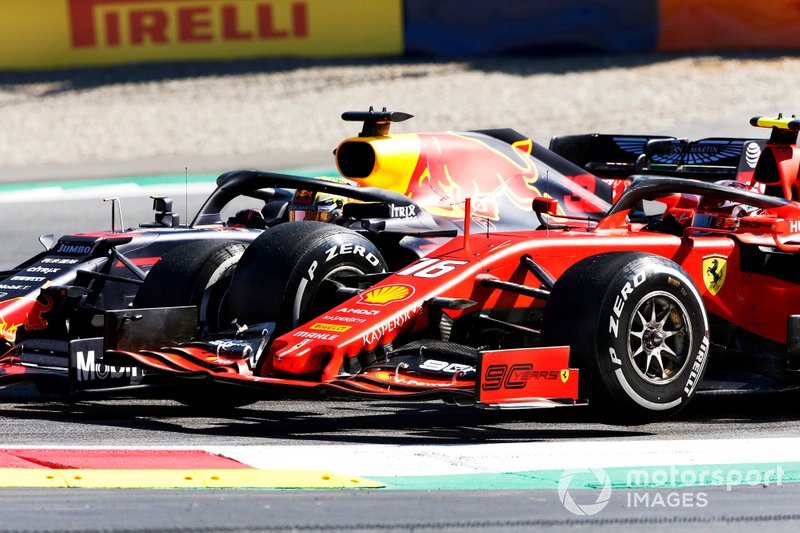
{"x": 114, "y": 459}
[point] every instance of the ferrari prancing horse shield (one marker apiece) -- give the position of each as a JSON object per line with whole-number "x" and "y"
{"x": 714, "y": 270}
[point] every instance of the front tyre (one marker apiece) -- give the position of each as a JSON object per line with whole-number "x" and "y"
{"x": 195, "y": 273}
{"x": 288, "y": 274}
{"x": 637, "y": 330}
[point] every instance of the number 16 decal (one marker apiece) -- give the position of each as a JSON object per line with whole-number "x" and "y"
{"x": 431, "y": 268}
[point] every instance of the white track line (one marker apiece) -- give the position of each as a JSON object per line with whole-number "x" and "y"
{"x": 432, "y": 460}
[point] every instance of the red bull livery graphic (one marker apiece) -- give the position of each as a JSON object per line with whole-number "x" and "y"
{"x": 23, "y": 312}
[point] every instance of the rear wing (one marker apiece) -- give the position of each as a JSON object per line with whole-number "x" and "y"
{"x": 620, "y": 156}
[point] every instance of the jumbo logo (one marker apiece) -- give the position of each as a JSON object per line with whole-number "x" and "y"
{"x": 714, "y": 271}
{"x": 111, "y": 23}
{"x": 387, "y": 294}
{"x": 22, "y": 312}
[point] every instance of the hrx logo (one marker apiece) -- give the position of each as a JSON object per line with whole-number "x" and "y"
{"x": 112, "y": 23}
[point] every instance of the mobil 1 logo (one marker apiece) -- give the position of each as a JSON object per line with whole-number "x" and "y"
{"x": 87, "y": 370}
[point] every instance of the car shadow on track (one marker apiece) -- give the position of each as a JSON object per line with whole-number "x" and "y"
{"x": 344, "y": 421}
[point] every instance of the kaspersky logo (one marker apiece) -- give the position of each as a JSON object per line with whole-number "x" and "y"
{"x": 112, "y": 23}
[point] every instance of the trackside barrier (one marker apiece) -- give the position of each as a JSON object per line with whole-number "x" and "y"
{"x": 459, "y": 28}
{"x": 541, "y": 27}
{"x": 728, "y": 24}
{"x": 43, "y": 34}
{"x": 40, "y": 34}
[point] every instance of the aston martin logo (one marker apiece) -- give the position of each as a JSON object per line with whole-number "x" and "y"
{"x": 564, "y": 375}
{"x": 387, "y": 294}
{"x": 714, "y": 270}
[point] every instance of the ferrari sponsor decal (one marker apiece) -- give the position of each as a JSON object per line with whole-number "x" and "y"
{"x": 347, "y": 319}
{"x": 525, "y": 375}
{"x": 23, "y": 312}
{"x": 405, "y": 380}
{"x": 357, "y": 311}
{"x": 337, "y": 328}
{"x": 315, "y": 335}
{"x": 517, "y": 376}
{"x": 447, "y": 367}
{"x": 387, "y": 294}
{"x": 714, "y": 270}
{"x": 376, "y": 334}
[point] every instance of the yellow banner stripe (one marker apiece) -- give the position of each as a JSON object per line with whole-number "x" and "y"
{"x": 236, "y": 478}
{"x": 36, "y": 34}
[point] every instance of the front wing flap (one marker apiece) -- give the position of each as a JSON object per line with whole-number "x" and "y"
{"x": 526, "y": 379}
{"x": 505, "y": 379}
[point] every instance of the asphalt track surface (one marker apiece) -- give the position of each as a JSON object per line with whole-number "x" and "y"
{"x": 29, "y": 419}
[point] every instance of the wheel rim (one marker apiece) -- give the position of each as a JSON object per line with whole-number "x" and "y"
{"x": 659, "y": 338}
{"x": 316, "y": 305}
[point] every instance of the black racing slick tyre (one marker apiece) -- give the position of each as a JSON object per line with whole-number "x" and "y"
{"x": 196, "y": 273}
{"x": 282, "y": 275}
{"x": 637, "y": 331}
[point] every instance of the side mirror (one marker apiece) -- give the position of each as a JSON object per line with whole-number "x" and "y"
{"x": 164, "y": 215}
{"x": 546, "y": 206}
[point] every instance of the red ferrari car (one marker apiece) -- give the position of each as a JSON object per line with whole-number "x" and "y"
{"x": 681, "y": 284}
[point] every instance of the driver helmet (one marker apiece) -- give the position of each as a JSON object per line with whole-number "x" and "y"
{"x": 721, "y": 214}
{"x": 317, "y": 206}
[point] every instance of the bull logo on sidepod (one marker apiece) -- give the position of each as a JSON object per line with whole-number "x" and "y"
{"x": 490, "y": 173}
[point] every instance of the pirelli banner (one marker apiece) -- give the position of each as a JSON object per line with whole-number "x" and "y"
{"x": 41, "y": 34}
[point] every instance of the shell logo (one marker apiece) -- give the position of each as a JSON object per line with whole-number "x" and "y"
{"x": 387, "y": 294}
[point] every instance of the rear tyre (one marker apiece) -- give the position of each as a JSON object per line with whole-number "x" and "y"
{"x": 196, "y": 273}
{"x": 285, "y": 275}
{"x": 637, "y": 330}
